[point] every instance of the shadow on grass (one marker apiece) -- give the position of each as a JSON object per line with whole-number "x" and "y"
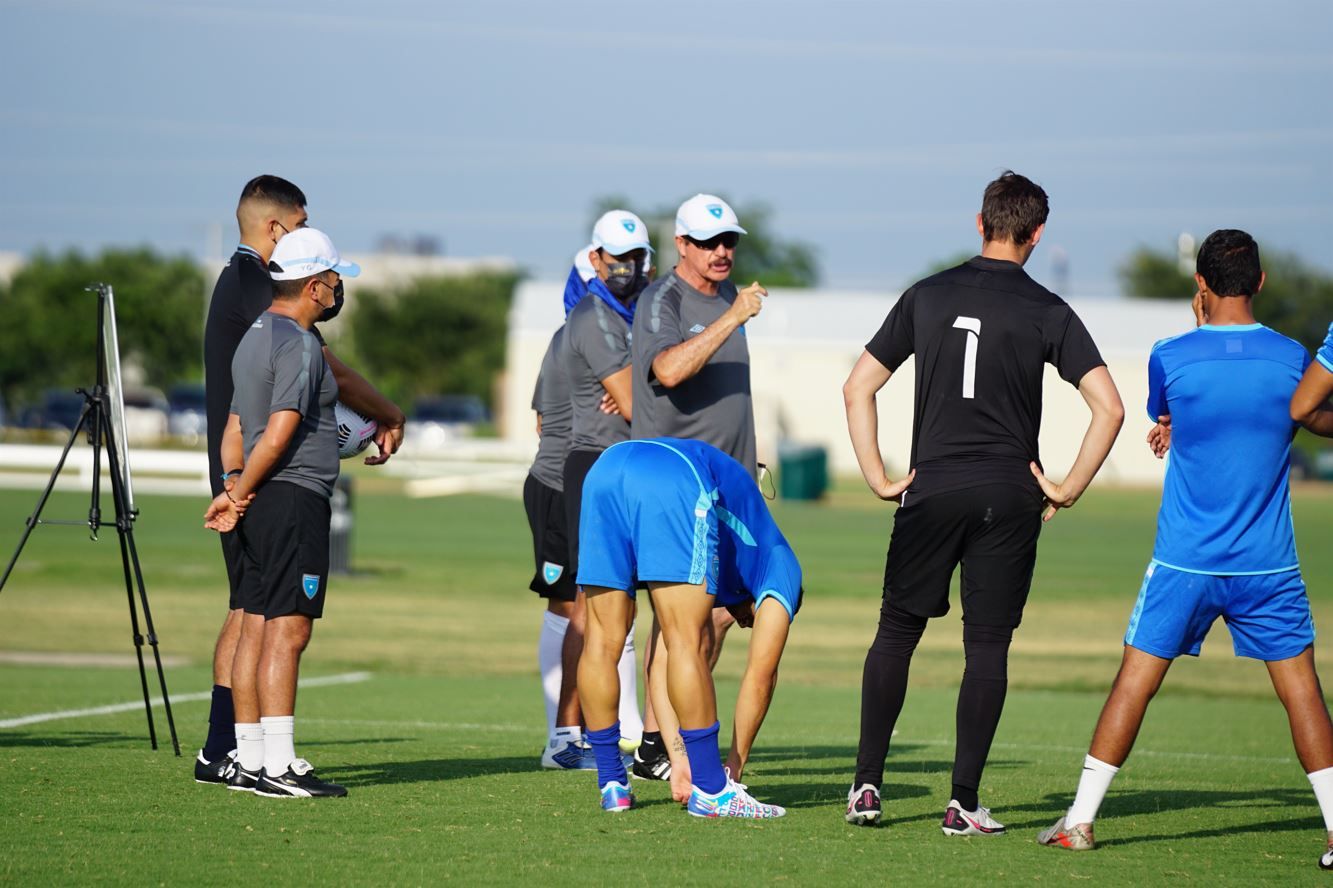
{"x": 1142, "y": 802}
{"x": 432, "y": 770}
{"x": 80, "y": 739}
{"x": 841, "y": 760}
{"x": 823, "y": 794}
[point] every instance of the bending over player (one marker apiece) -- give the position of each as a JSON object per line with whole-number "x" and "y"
{"x": 1225, "y": 542}
{"x": 689, "y": 522}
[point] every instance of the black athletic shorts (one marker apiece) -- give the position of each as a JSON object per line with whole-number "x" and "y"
{"x": 285, "y": 535}
{"x": 550, "y": 544}
{"x": 990, "y": 529}
{"x": 577, "y": 466}
{"x": 233, "y": 557}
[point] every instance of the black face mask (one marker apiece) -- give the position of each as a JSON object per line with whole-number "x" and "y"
{"x": 625, "y": 279}
{"x": 332, "y": 311}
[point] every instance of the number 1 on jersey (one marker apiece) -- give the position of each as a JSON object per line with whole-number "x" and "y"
{"x": 973, "y": 328}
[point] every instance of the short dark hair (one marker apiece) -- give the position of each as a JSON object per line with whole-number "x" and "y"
{"x": 275, "y": 190}
{"x": 1229, "y": 263}
{"x": 283, "y": 290}
{"x": 1012, "y": 209}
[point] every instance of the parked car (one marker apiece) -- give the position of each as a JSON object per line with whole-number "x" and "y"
{"x": 57, "y": 411}
{"x": 145, "y": 416}
{"x": 187, "y": 417}
{"x": 442, "y": 418}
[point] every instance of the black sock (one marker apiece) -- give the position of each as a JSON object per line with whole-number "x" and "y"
{"x": 980, "y": 703}
{"x": 221, "y": 725}
{"x": 884, "y": 687}
{"x": 651, "y": 746}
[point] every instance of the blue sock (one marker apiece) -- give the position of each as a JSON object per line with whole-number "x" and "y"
{"x": 221, "y": 725}
{"x": 606, "y": 749}
{"x": 705, "y": 762}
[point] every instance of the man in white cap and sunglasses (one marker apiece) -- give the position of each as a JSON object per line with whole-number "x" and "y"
{"x": 692, "y": 373}
{"x": 281, "y": 430}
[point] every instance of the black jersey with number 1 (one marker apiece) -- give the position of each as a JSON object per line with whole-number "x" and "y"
{"x": 981, "y": 333}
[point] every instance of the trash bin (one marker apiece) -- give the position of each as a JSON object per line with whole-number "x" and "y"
{"x": 802, "y": 471}
{"x": 340, "y": 526}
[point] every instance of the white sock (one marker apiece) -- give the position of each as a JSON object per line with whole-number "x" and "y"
{"x": 568, "y": 734}
{"x": 1322, "y": 781}
{"x": 250, "y": 746}
{"x": 631, "y": 723}
{"x": 1092, "y": 787}
{"x": 549, "y": 646}
{"x": 279, "y": 746}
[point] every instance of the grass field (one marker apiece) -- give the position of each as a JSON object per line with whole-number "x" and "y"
{"x": 439, "y": 742}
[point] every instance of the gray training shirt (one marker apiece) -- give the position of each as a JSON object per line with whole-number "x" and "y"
{"x": 279, "y": 365}
{"x": 714, "y": 405}
{"x": 551, "y": 401}
{"x": 596, "y": 346}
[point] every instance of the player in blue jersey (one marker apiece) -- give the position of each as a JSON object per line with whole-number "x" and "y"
{"x": 1225, "y": 543}
{"x": 687, "y": 521}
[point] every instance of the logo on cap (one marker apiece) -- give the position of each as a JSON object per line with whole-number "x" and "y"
{"x": 629, "y": 225}
{"x": 715, "y": 210}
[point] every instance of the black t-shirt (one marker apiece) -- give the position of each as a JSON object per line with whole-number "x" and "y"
{"x": 981, "y": 333}
{"x": 243, "y": 292}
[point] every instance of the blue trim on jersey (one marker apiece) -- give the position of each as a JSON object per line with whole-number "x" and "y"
{"x": 1319, "y": 356}
{"x": 736, "y": 525}
{"x": 1230, "y": 328}
{"x": 1228, "y": 573}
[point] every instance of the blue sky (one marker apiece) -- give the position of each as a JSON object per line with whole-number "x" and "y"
{"x": 869, "y": 128}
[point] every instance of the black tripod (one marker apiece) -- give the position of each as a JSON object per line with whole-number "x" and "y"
{"x": 95, "y": 419}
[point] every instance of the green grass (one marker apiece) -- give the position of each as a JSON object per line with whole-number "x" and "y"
{"x": 439, "y": 746}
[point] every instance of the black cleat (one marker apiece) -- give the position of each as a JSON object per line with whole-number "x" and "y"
{"x": 655, "y": 767}
{"x": 213, "y": 772}
{"x": 242, "y": 780}
{"x": 299, "y": 782}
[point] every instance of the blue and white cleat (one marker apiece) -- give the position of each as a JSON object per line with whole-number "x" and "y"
{"x": 732, "y": 801}
{"x": 568, "y": 755}
{"x": 616, "y": 797}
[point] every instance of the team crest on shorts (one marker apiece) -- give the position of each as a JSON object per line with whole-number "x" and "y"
{"x": 551, "y": 572}
{"x": 310, "y": 585}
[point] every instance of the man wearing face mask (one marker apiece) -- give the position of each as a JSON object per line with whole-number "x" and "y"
{"x": 268, "y": 209}
{"x": 282, "y": 433}
{"x": 596, "y": 356}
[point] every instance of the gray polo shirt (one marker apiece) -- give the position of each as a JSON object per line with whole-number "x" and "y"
{"x": 279, "y": 365}
{"x": 714, "y": 405}
{"x": 596, "y": 346}
{"x": 551, "y": 401}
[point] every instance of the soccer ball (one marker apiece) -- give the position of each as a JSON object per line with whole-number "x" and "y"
{"x": 355, "y": 431}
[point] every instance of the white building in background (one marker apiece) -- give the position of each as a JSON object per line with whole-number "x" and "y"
{"x": 805, "y": 342}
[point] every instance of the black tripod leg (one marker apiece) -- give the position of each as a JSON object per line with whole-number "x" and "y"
{"x": 127, "y": 541}
{"x": 138, "y": 637}
{"x": 35, "y": 518}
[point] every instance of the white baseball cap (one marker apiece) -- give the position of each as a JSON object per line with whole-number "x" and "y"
{"x": 304, "y": 252}
{"x": 704, "y": 216}
{"x": 584, "y": 265}
{"x": 618, "y": 232}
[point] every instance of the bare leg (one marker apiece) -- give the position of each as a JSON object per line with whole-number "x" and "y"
{"x": 609, "y": 613}
{"x": 1297, "y": 686}
{"x": 684, "y": 610}
{"x": 245, "y": 669}
{"x": 224, "y": 651}
{"x": 568, "y": 713}
{"x": 681, "y": 785}
{"x": 1135, "y": 685}
{"x": 285, "y": 638}
{"x": 721, "y": 621}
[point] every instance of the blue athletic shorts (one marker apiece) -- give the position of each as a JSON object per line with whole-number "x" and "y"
{"x": 1268, "y": 614}
{"x": 646, "y": 517}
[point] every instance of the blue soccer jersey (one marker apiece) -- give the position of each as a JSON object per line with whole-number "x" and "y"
{"x": 1325, "y": 353}
{"x": 1225, "y": 505}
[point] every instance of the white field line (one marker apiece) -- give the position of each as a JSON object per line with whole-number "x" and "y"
{"x": 424, "y": 725}
{"x": 320, "y": 681}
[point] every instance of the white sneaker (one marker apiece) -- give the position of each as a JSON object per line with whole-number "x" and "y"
{"x": 733, "y": 801}
{"x": 568, "y": 754}
{"x": 863, "y": 805}
{"x": 958, "y": 822}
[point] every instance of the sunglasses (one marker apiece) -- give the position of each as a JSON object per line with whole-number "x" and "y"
{"x": 728, "y": 239}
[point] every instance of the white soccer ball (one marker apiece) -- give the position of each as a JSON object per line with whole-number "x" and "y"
{"x": 355, "y": 432}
